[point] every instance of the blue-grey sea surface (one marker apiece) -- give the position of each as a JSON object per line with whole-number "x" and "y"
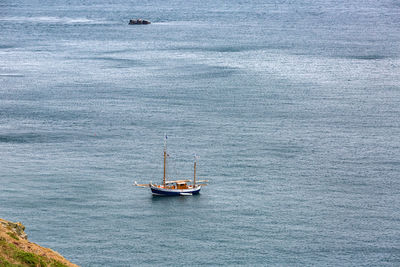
{"x": 292, "y": 106}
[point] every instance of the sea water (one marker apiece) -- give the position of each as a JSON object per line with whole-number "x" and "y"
{"x": 292, "y": 106}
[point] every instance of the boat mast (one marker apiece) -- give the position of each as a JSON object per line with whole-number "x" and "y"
{"x": 165, "y": 159}
{"x": 194, "y": 175}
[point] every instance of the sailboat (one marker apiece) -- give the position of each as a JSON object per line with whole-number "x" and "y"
{"x": 175, "y": 187}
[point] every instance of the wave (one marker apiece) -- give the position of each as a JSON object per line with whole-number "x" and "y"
{"x": 181, "y": 23}
{"x": 22, "y": 138}
{"x": 11, "y": 75}
{"x": 49, "y": 19}
{"x": 6, "y": 46}
{"x": 367, "y": 57}
{"x": 44, "y": 137}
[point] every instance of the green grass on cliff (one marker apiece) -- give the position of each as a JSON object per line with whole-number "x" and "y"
{"x": 12, "y": 235}
{"x": 12, "y": 256}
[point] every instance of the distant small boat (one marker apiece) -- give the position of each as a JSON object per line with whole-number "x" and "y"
{"x": 175, "y": 187}
{"x": 138, "y": 21}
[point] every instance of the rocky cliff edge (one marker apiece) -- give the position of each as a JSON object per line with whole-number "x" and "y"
{"x": 16, "y": 250}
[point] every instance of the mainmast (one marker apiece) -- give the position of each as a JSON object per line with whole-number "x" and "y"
{"x": 165, "y": 159}
{"x": 194, "y": 175}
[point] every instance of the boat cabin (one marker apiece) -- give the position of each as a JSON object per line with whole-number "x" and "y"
{"x": 178, "y": 184}
{"x": 181, "y": 185}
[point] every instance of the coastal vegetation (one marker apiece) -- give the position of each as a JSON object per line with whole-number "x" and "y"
{"x": 17, "y": 251}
